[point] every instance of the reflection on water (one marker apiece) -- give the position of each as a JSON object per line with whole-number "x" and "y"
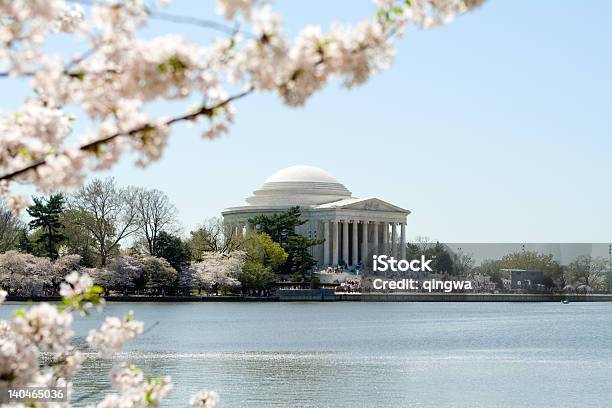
{"x": 370, "y": 354}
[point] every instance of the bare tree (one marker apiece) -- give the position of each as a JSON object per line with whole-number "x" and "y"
{"x": 464, "y": 263}
{"x": 424, "y": 243}
{"x": 10, "y": 228}
{"x": 213, "y": 236}
{"x": 107, "y": 212}
{"x": 587, "y": 270}
{"x": 155, "y": 214}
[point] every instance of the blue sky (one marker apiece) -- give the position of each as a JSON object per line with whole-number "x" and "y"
{"x": 496, "y": 128}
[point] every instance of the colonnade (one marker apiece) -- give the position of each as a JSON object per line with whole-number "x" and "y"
{"x": 353, "y": 242}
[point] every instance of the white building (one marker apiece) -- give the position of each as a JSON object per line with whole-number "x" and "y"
{"x": 354, "y": 228}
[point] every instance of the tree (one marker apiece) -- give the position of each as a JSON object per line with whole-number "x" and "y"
{"x": 119, "y": 74}
{"x": 531, "y": 260}
{"x": 79, "y": 240}
{"x": 173, "y": 250}
{"x": 490, "y": 267}
{"x": 114, "y": 79}
{"x": 109, "y": 214}
{"x": 123, "y": 274}
{"x": 219, "y": 271}
{"x": 25, "y": 244}
{"x": 264, "y": 258}
{"x": 261, "y": 249}
{"x": 299, "y": 260}
{"x": 413, "y": 251}
{"x": 441, "y": 260}
{"x": 211, "y": 236}
{"x": 462, "y": 263}
{"x": 281, "y": 228}
{"x": 155, "y": 214}
{"x": 587, "y": 270}
{"x": 11, "y": 227}
{"x": 46, "y": 216}
{"x": 61, "y": 268}
{"x": 159, "y": 275}
{"x": 255, "y": 275}
{"x": 24, "y": 274}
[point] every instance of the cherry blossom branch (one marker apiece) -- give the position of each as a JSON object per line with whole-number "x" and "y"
{"x": 75, "y": 61}
{"x": 157, "y": 15}
{"x": 174, "y": 18}
{"x": 91, "y": 146}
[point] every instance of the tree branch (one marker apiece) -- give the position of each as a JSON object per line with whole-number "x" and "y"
{"x": 204, "y": 110}
{"x": 174, "y": 18}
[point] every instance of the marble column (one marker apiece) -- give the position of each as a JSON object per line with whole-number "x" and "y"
{"x": 385, "y": 249}
{"x": 365, "y": 256}
{"x": 345, "y": 243}
{"x": 335, "y": 249}
{"x": 375, "y": 243}
{"x": 394, "y": 239}
{"x": 403, "y": 241}
{"x": 355, "y": 242}
{"x": 326, "y": 244}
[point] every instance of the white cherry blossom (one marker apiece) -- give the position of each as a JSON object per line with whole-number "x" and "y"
{"x": 204, "y": 399}
{"x": 120, "y": 74}
{"x": 44, "y": 326}
{"x": 113, "y": 333}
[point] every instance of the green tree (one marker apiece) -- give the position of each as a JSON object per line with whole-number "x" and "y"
{"x": 441, "y": 260}
{"x": 198, "y": 243}
{"x": 299, "y": 260}
{"x": 255, "y": 275}
{"x": 25, "y": 243}
{"x": 158, "y": 275}
{"x": 260, "y": 248}
{"x": 46, "y": 218}
{"x": 413, "y": 251}
{"x": 281, "y": 228}
{"x": 78, "y": 239}
{"x": 264, "y": 257}
{"x": 534, "y": 261}
{"x": 173, "y": 250}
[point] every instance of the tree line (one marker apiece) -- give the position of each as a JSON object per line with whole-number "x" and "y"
{"x": 585, "y": 270}
{"x": 127, "y": 239}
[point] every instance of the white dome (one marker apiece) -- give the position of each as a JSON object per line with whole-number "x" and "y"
{"x": 301, "y": 173}
{"x": 299, "y": 185}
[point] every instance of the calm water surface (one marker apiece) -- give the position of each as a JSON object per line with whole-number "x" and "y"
{"x": 369, "y": 354}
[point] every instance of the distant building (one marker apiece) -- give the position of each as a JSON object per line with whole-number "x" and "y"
{"x": 522, "y": 278}
{"x": 354, "y": 229}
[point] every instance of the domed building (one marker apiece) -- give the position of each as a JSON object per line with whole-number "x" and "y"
{"x": 354, "y": 228}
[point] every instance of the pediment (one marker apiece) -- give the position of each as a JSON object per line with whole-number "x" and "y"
{"x": 366, "y": 204}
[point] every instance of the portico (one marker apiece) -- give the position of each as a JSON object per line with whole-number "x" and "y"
{"x": 353, "y": 228}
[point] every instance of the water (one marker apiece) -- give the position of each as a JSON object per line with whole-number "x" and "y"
{"x": 370, "y": 354}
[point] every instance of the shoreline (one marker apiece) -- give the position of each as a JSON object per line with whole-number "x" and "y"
{"x": 319, "y": 296}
